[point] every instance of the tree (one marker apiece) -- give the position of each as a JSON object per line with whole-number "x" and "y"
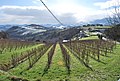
{"x": 114, "y": 21}
{"x": 84, "y": 25}
{"x": 88, "y": 25}
{"x": 113, "y": 33}
{"x": 92, "y": 24}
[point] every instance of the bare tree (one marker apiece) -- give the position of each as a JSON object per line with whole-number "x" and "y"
{"x": 114, "y": 21}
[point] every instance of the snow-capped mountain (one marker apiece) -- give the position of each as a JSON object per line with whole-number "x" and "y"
{"x": 58, "y": 26}
{"x": 38, "y": 32}
{"x": 26, "y": 31}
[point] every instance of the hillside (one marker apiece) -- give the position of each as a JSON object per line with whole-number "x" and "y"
{"x": 107, "y": 69}
{"x": 37, "y": 32}
{"x": 25, "y": 32}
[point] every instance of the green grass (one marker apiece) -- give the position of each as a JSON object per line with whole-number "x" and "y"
{"x": 110, "y": 71}
{"x": 33, "y": 73}
{"x": 57, "y": 70}
{"x": 6, "y": 56}
{"x": 77, "y": 69}
{"x": 4, "y": 76}
{"x": 99, "y": 27}
{"x": 89, "y": 38}
{"x": 107, "y": 70}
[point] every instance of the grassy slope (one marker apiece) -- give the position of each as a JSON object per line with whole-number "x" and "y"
{"x": 110, "y": 71}
{"x": 107, "y": 70}
{"x": 89, "y": 38}
{"x": 6, "y": 56}
{"x": 97, "y": 27}
{"x": 57, "y": 70}
{"x": 77, "y": 69}
{"x": 33, "y": 73}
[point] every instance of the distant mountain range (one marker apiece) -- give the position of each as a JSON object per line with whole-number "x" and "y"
{"x": 5, "y": 27}
{"x": 100, "y": 21}
{"x": 44, "y": 31}
{"x": 45, "y": 26}
{"x": 39, "y": 32}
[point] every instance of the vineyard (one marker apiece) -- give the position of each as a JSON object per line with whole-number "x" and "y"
{"x": 79, "y": 60}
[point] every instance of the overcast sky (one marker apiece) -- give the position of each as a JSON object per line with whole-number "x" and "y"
{"x": 67, "y": 11}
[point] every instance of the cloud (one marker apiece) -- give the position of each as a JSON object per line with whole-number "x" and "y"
{"x": 95, "y": 17}
{"x": 23, "y": 11}
{"x": 68, "y": 18}
{"x": 70, "y": 13}
{"x": 26, "y": 15}
{"x": 108, "y": 4}
{"x": 22, "y": 7}
{"x": 77, "y": 11}
{"x": 10, "y": 19}
{"x": 111, "y": 7}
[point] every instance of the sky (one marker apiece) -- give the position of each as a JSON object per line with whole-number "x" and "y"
{"x": 67, "y": 11}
